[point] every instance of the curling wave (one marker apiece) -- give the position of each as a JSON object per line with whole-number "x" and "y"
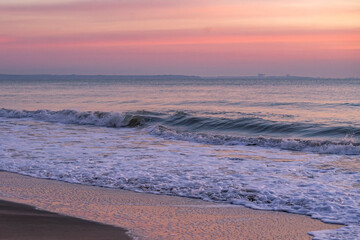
{"x": 345, "y": 147}
{"x": 249, "y": 131}
{"x": 97, "y": 118}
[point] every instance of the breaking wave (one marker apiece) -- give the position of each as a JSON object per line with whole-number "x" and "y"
{"x": 247, "y": 131}
{"x": 346, "y": 147}
{"x": 97, "y": 118}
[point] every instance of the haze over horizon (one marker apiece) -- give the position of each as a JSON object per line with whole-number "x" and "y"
{"x": 204, "y": 38}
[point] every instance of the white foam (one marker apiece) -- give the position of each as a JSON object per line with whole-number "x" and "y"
{"x": 105, "y": 119}
{"x": 326, "y": 187}
{"x": 346, "y": 146}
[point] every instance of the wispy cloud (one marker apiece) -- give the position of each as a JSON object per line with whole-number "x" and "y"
{"x": 90, "y": 5}
{"x": 197, "y": 29}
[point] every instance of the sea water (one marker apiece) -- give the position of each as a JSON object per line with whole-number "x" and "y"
{"x": 276, "y": 144}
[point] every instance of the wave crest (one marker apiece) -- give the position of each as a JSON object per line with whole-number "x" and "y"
{"x": 191, "y": 124}
{"x": 97, "y": 118}
{"x": 345, "y": 146}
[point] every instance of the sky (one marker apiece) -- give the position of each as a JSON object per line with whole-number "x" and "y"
{"x": 319, "y": 38}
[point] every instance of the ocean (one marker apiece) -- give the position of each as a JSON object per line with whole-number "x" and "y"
{"x": 284, "y": 144}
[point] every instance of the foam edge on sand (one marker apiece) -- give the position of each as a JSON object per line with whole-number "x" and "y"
{"x": 149, "y": 216}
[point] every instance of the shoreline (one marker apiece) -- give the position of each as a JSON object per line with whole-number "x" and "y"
{"x": 151, "y": 216}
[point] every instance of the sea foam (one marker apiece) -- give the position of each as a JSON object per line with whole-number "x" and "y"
{"x": 155, "y": 122}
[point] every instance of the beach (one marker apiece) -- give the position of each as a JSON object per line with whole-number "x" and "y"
{"x": 145, "y": 216}
{"x": 21, "y": 222}
{"x": 198, "y": 157}
{"x": 193, "y": 120}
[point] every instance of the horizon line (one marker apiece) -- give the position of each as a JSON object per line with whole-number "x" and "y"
{"x": 258, "y": 76}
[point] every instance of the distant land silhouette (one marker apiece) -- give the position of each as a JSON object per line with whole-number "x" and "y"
{"x": 40, "y": 77}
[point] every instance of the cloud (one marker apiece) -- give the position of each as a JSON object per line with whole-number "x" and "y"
{"x": 4, "y": 39}
{"x": 225, "y": 36}
{"x": 91, "y": 5}
{"x": 176, "y": 32}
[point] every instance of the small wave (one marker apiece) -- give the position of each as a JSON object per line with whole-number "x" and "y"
{"x": 255, "y": 124}
{"x": 185, "y": 126}
{"x": 97, "y": 118}
{"x": 344, "y": 147}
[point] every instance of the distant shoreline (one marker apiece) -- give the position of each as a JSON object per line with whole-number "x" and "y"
{"x": 157, "y": 77}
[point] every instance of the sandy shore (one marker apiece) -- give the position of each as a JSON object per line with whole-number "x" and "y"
{"x": 149, "y": 216}
{"x": 22, "y": 222}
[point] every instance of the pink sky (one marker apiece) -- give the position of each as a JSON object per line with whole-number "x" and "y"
{"x": 197, "y": 37}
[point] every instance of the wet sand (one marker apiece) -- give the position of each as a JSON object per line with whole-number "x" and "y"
{"x": 23, "y": 222}
{"x": 149, "y": 216}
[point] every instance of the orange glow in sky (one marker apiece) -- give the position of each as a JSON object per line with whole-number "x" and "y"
{"x": 230, "y": 37}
